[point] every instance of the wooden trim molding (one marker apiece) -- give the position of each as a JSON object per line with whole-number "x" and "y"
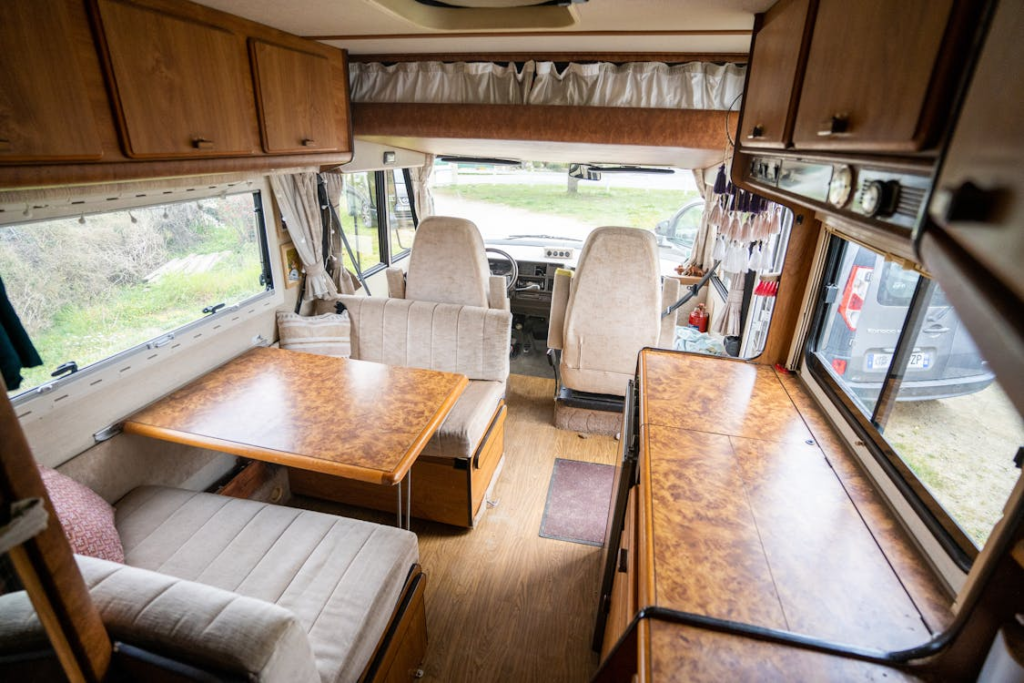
{"x": 46, "y": 566}
{"x": 455, "y": 35}
{"x": 685, "y": 128}
{"x": 615, "y": 57}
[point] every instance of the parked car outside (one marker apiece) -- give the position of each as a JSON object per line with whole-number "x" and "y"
{"x": 864, "y": 323}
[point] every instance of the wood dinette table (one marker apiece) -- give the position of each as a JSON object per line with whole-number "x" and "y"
{"x": 348, "y": 418}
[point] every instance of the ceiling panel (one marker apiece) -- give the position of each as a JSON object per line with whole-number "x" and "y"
{"x": 364, "y": 17}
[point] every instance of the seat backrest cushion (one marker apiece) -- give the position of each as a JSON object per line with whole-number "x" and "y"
{"x": 448, "y": 263}
{"x": 470, "y": 340}
{"x": 191, "y": 622}
{"x": 613, "y": 310}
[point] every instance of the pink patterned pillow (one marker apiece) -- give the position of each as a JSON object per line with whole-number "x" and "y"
{"x": 87, "y": 519}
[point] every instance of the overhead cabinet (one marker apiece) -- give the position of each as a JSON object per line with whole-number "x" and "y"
{"x": 774, "y": 75}
{"x": 869, "y": 76}
{"x": 284, "y": 78}
{"x": 182, "y": 86}
{"x": 875, "y": 100}
{"x": 45, "y": 112}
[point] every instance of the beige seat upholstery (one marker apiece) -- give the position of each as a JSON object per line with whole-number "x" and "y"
{"x": 610, "y": 310}
{"x": 275, "y": 593}
{"x": 448, "y": 265}
{"x": 468, "y": 340}
{"x": 341, "y": 578}
{"x": 204, "y": 626}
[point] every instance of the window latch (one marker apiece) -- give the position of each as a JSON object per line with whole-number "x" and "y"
{"x": 69, "y": 368}
{"x": 210, "y": 310}
{"x": 829, "y": 296}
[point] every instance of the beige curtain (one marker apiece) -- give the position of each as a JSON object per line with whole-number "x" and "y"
{"x": 439, "y": 82}
{"x": 693, "y": 85}
{"x": 297, "y": 199}
{"x": 421, "y": 188}
{"x": 704, "y": 242}
{"x": 727, "y": 319}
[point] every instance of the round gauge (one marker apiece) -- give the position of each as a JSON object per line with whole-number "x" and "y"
{"x": 871, "y": 197}
{"x": 841, "y": 187}
{"x": 879, "y": 197}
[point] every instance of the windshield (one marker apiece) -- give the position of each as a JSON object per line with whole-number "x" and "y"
{"x": 540, "y": 203}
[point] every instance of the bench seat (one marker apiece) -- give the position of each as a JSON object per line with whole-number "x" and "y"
{"x": 340, "y": 577}
{"x": 234, "y": 585}
{"x": 464, "y": 428}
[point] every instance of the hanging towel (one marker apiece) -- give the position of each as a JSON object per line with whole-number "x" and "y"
{"x": 16, "y": 350}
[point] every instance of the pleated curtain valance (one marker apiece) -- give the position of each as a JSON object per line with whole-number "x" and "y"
{"x": 652, "y": 85}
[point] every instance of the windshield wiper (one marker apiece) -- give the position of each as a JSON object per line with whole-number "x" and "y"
{"x": 541, "y": 237}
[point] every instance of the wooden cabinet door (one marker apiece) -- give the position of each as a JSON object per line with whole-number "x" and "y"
{"x": 979, "y": 197}
{"x": 773, "y": 81}
{"x": 183, "y": 85}
{"x": 296, "y": 98}
{"x": 45, "y": 112}
{"x": 868, "y": 74}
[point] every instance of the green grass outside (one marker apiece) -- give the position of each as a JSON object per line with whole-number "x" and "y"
{"x": 594, "y": 205}
{"x": 133, "y": 315}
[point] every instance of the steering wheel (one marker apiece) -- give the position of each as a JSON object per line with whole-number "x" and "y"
{"x": 512, "y": 275}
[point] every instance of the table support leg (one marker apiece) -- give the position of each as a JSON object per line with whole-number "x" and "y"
{"x": 399, "y": 487}
{"x": 408, "y": 500}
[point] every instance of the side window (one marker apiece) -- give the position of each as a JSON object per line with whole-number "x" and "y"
{"x": 401, "y": 226}
{"x": 379, "y": 233}
{"x": 358, "y": 216}
{"x": 90, "y": 287}
{"x": 897, "y": 355}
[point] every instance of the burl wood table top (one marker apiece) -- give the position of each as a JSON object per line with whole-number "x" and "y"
{"x": 349, "y": 418}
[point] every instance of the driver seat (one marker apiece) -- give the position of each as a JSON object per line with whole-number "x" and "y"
{"x": 448, "y": 265}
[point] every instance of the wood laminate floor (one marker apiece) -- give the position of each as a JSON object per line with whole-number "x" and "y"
{"x": 504, "y": 604}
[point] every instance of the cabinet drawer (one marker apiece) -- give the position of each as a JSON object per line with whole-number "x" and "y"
{"x": 285, "y": 77}
{"x": 182, "y": 86}
{"x": 45, "y": 112}
{"x": 774, "y": 79}
{"x": 868, "y": 75}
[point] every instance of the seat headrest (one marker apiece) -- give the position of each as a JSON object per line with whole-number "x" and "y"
{"x": 448, "y": 263}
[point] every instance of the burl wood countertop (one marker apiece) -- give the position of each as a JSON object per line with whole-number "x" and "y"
{"x": 746, "y": 514}
{"x": 349, "y": 418}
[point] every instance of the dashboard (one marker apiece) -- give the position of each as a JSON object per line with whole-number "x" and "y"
{"x": 538, "y": 258}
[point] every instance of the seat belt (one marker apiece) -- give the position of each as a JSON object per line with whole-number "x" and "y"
{"x": 694, "y": 291}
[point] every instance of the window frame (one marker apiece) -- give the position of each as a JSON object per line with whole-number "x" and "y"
{"x": 125, "y": 362}
{"x": 951, "y": 538}
{"x": 387, "y": 259}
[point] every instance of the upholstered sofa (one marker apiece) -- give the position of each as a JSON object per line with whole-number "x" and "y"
{"x": 463, "y": 459}
{"x": 247, "y": 590}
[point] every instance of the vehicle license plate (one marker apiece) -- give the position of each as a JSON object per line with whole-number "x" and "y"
{"x": 919, "y": 360}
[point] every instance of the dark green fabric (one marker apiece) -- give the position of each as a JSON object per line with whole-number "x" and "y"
{"x": 16, "y": 350}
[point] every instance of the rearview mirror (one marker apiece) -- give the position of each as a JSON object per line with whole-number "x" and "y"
{"x": 583, "y": 172}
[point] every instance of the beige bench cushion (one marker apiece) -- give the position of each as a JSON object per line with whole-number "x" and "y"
{"x": 462, "y": 430}
{"x": 189, "y": 621}
{"x": 340, "y": 577}
{"x": 469, "y": 340}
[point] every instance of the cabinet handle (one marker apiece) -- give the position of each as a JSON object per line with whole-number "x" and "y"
{"x": 756, "y": 132}
{"x": 307, "y": 142}
{"x": 5, "y": 146}
{"x": 839, "y": 124}
{"x": 202, "y": 143}
{"x": 968, "y": 203}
